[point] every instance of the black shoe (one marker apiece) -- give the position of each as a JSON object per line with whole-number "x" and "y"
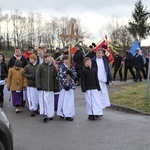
{"x": 69, "y": 119}
{"x": 45, "y": 119}
{"x": 91, "y": 117}
{"x": 1, "y": 104}
{"x": 61, "y": 117}
{"x": 32, "y": 113}
{"x": 51, "y": 118}
{"x": 98, "y": 116}
{"x": 135, "y": 80}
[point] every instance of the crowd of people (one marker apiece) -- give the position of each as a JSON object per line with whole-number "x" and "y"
{"x": 46, "y": 82}
{"x": 137, "y": 64}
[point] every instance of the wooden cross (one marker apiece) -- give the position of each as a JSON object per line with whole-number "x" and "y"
{"x": 71, "y": 36}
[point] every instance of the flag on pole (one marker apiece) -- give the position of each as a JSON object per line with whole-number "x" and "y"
{"x": 134, "y": 47}
{"x": 101, "y": 44}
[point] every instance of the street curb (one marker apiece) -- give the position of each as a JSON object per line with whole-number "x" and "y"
{"x": 128, "y": 110}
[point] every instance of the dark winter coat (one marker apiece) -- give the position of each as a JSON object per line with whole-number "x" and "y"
{"x": 78, "y": 59}
{"x": 89, "y": 79}
{"x": 46, "y": 77}
{"x": 3, "y": 69}
{"x": 117, "y": 62}
{"x": 91, "y": 54}
{"x": 13, "y": 59}
{"x": 57, "y": 56}
{"x": 129, "y": 60}
{"x": 30, "y": 74}
{"x": 106, "y": 65}
{"x": 138, "y": 61}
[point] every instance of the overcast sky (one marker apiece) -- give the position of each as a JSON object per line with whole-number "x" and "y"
{"x": 94, "y": 14}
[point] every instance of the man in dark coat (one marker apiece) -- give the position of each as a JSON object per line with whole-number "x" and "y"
{"x": 57, "y": 54}
{"x": 17, "y": 55}
{"x": 117, "y": 65}
{"x": 78, "y": 61}
{"x": 138, "y": 64}
{"x": 128, "y": 64}
{"x": 90, "y": 52}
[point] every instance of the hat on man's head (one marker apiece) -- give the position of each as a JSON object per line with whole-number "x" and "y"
{"x": 18, "y": 63}
{"x": 33, "y": 56}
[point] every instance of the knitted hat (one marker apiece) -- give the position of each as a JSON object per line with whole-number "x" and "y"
{"x": 33, "y": 56}
{"x": 18, "y": 63}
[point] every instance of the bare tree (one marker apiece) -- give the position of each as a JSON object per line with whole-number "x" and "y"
{"x": 18, "y": 27}
{"x": 39, "y": 28}
{"x": 118, "y": 33}
{"x": 31, "y": 29}
{"x": 7, "y": 20}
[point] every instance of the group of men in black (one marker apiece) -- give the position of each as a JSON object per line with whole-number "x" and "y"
{"x": 136, "y": 64}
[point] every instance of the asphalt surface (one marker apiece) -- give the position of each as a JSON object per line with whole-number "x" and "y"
{"x": 114, "y": 131}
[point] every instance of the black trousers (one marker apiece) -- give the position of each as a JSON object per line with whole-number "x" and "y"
{"x": 120, "y": 73}
{"x": 126, "y": 71}
{"x": 78, "y": 70}
{"x": 1, "y": 93}
{"x": 138, "y": 74}
{"x": 144, "y": 73}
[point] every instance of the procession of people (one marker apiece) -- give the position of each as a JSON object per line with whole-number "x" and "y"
{"x": 46, "y": 83}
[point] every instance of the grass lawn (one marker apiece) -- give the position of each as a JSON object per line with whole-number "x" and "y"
{"x": 133, "y": 96}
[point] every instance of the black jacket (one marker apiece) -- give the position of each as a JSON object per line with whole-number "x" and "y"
{"x": 91, "y": 54}
{"x": 78, "y": 59}
{"x": 138, "y": 61}
{"x": 13, "y": 59}
{"x": 3, "y": 69}
{"x": 117, "y": 62}
{"x": 129, "y": 60}
{"x": 89, "y": 79}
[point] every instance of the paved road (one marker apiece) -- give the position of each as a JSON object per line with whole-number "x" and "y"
{"x": 114, "y": 131}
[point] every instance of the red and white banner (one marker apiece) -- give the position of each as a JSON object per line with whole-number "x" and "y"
{"x": 104, "y": 43}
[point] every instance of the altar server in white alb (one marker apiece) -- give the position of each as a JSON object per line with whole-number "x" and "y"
{"x": 46, "y": 85}
{"x": 66, "y": 109}
{"x": 100, "y": 63}
{"x": 91, "y": 88}
{"x": 32, "y": 93}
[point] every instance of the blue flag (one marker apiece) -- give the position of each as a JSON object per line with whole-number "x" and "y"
{"x": 134, "y": 47}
